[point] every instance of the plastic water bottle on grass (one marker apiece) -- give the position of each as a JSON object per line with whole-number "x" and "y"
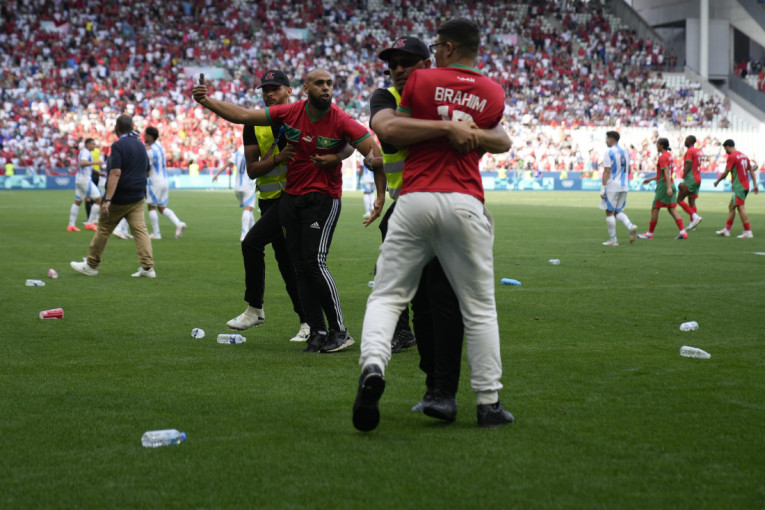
{"x": 155, "y": 438}
{"x": 694, "y": 352}
{"x": 689, "y": 326}
{"x": 225, "y": 338}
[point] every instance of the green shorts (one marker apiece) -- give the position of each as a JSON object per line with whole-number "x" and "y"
{"x": 739, "y": 196}
{"x": 660, "y": 199}
{"x": 693, "y": 186}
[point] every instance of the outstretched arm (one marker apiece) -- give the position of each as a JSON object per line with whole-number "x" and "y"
{"x": 228, "y": 111}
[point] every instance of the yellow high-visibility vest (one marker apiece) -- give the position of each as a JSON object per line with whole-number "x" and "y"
{"x": 393, "y": 163}
{"x": 273, "y": 183}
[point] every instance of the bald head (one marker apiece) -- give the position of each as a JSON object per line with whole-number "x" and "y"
{"x": 318, "y": 87}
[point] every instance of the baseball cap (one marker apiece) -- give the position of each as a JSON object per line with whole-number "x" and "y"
{"x": 274, "y": 77}
{"x": 408, "y": 45}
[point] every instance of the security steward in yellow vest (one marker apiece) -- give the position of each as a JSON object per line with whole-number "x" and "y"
{"x": 267, "y": 155}
{"x": 437, "y": 319}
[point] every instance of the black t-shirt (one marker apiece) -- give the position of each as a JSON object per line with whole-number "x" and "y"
{"x": 129, "y": 155}
{"x": 249, "y": 138}
{"x": 380, "y": 100}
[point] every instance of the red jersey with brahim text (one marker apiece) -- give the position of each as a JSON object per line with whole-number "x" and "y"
{"x": 326, "y": 134}
{"x": 692, "y": 155}
{"x": 739, "y": 164}
{"x": 457, "y": 93}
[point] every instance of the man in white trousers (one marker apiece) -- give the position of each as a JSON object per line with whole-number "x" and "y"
{"x": 440, "y": 212}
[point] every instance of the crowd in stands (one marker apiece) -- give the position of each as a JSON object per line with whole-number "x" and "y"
{"x": 536, "y": 151}
{"x": 70, "y": 66}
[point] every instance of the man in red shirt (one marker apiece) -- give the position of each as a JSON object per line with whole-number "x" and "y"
{"x": 739, "y": 166}
{"x": 665, "y": 195}
{"x": 310, "y": 206}
{"x": 691, "y": 182}
{"x": 440, "y": 212}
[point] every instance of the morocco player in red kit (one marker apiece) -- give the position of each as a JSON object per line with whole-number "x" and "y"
{"x": 740, "y": 168}
{"x": 440, "y": 212}
{"x": 691, "y": 182}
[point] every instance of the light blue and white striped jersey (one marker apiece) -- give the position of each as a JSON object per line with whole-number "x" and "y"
{"x": 243, "y": 180}
{"x": 158, "y": 164}
{"x": 618, "y": 160}
{"x": 84, "y": 172}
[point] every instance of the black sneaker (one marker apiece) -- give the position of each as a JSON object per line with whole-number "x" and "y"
{"x": 440, "y": 405}
{"x": 402, "y": 339}
{"x": 366, "y": 414}
{"x": 337, "y": 341}
{"x": 493, "y": 415}
{"x": 315, "y": 341}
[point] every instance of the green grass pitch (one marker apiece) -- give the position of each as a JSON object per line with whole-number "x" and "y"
{"x": 609, "y": 415}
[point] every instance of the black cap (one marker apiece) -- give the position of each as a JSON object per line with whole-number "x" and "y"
{"x": 729, "y": 143}
{"x": 408, "y": 45}
{"x": 274, "y": 77}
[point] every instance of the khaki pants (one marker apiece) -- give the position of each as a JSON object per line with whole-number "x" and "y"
{"x": 133, "y": 213}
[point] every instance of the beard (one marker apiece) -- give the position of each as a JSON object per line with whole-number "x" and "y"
{"x": 320, "y": 103}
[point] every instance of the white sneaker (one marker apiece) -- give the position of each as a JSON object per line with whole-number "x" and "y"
{"x": 724, "y": 232}
{"x": 84, "y": 268}
{"x": 692, "y": 225}
{"x": 633, "y": 233}
{"x": 746, "y": 234}
{"x": 179, "y": 230}
{"x": 155, "y": 236}
{"x": 120, "y": 234}
{"x": 303, "y": 334}
{"x": 612, "y": 242}
{"x": 248, "y": 320}
{"x": 144, "y": 273}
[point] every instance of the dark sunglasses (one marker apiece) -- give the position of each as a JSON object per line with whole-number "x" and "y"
{"x": 403, "y": 62}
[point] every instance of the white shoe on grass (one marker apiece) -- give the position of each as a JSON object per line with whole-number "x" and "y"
{"x": 145, "y": 273}
{"x": 251, "y": 317}
{"x": 612, "y": 242}
{"x": 84, "y": 268}
{"x": 303, "y": 334}
{"x": 746, "y": 234}
{"x": 179, "y": 230}
{"x": 724, "y": 232}
{"x": 694, "y": 223}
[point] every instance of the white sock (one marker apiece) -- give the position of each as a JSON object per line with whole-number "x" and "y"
{"x": 73, "y": 212}
{"x": 624, "y": 219}
{"x": 695, "y": 217}
{"x": 247, "y": 220}
{"x": 172, "y": 217}
{"x": 611, "y": 223}
{"x": 94, "y": 210}
{"x": 154, "y": 218}
{"x": 122, "y": 226}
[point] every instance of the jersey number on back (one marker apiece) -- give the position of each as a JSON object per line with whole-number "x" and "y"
{"x": 456, "y": 115}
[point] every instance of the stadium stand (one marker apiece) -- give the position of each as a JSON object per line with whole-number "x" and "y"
{"x": 570, "y": 69}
